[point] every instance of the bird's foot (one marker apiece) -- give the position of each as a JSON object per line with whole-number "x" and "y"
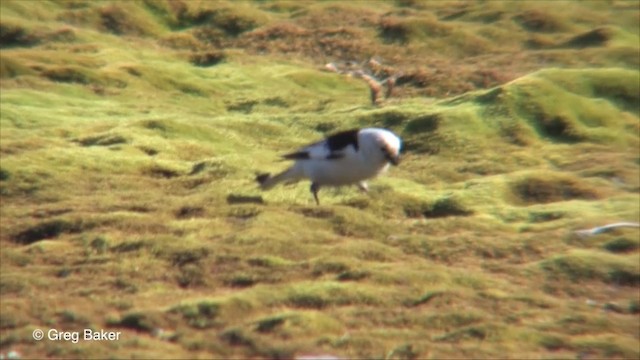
{"x": 314, "y": 190}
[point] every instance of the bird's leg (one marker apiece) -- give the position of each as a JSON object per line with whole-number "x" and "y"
{"x": 314, "y": 190}
{"x": 363, "y": 187}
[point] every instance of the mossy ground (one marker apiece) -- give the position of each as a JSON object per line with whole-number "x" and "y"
{"x": 131, "y": 133}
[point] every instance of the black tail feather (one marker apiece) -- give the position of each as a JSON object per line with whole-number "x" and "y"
{"x": 261, "y": 178}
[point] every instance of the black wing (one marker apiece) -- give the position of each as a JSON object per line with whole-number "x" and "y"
{"x": 331, "y": 148}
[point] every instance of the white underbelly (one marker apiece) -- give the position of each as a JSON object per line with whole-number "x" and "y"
{"x": 339, "y": 172}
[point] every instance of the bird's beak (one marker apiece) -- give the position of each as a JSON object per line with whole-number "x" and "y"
{"x": 394, "y": 160}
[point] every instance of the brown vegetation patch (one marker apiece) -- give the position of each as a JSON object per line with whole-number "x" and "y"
{"x": 188, "y": 212}
{"x": 129, "y": 246}
{"x": 233, "y": 21}
{"x": 242, "y": 106}
{"x": 405, "y": 29}
{"x": 183, "y": 257}
{"x": 102, "y": 140}
{"x": 182, "y": 41}
{"x": 559, "y": 127}
{"x": 386, "y": 119}
{"x": 69, "y": 74}
{"x": 162, "y": 172}
{"x": 539, "y": 21}
{"x": 536, "y": 189}
{"x": 622, "y": 245}
{"x": 215, "y": 168}
{"x": 269, "y": 324}
{"x": 244, "y": 212}
{"x": 425, "y": 123}
{"x": 244, "y": 199}
{"x": 443, "y": 207}
{"x": 515, "y": 132}
{"x": 119, "y": 21}
{"x": 4, "y": 174}
{"x": 596, "y": 37}
{"x": 49, "y": 229}
{"x": 202, "y": 315}
{"x": 321, "y": 44}
{"x": 206, "y": 58}
{"x": 12, "y": 35}
{"x": 139, "y": 321}
{"x": 15, "y": 35}
{"x": 431, "y": 142}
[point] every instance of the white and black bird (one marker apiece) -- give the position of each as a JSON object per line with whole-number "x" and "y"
{"x": 346, "y": 158}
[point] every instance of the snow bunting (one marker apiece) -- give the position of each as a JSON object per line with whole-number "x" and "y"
{"x": 346, "y": 158}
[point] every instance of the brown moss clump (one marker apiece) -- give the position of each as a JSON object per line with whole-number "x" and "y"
{"x": 189, "y": 212}
{"x": 15, "y": 35}
{"x": 182, "y": 41}
{"x": 538, "y": 21}
{"x": 68, "y": 74}
{"x": 541, "y": 188}
{"x": 117, "y": 20}
{"x": 403, "y": 30}
{"x": 445, "y": 207}
{"x": 49, "y": 229}
{"x": 596, "y": 37}
{"x": 161, "y": 172}
{"x": 425, "y": 123}
{"x": 11, "y": 67}
{"x": 559, "y": 127}
{"x": 206, "y": 58}
{"x": 321, "y": 45}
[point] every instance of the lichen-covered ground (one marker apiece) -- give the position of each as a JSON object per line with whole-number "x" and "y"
{"x": 131, "y": 133}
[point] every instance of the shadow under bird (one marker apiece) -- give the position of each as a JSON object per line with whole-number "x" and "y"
{"x": 345, "y": 158}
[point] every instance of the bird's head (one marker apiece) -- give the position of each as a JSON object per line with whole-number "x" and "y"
{"x": 385, "y": 143}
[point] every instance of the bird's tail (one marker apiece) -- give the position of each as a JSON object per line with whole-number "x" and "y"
{"x": 267, "y": 181}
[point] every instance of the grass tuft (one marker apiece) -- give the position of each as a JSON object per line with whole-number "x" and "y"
{"x": 207, "y": 58}
{"x": 139, "y": 321}
{"x": 269, "y": 324}
{"x": 596, "y": 37}
{"x": 547, "y": 188}
{"x": 49, "y": 229}
{"x": 201, "y": 315}
{"x": 103, "y": 140}
{"x": 539, "y": 20}
{"x": 621, "y": 245}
